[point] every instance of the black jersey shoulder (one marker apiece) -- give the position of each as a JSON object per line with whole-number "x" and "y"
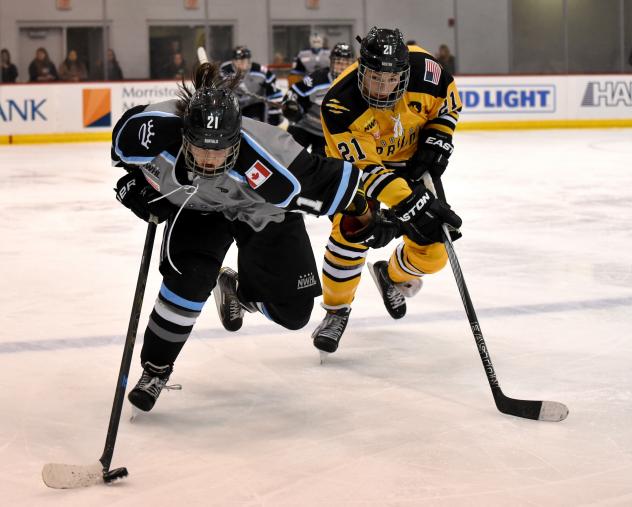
{"x": 320, "y": 76}
{"x": 427, "y": 75}
{"x": 343, "y": 103}
{"x": 145, "y": 132}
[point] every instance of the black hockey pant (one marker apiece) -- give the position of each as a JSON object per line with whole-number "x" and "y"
{"x": 276, "y": 269}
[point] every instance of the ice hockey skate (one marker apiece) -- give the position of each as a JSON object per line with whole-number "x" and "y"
{"x": 328, "y": 334}
{"x": 229, "y": 308}
{"x": 391, "y": 294}
{"x": 153, "y": 380}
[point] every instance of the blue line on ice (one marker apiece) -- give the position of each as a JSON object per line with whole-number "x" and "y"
{"x": 358, "y": 323}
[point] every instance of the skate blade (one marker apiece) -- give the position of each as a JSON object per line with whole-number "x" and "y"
{"x": 135, "y": 413}
{"x": 323, "y": 356}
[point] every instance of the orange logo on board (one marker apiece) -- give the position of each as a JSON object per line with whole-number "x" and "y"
{"x": 97, "y": 107}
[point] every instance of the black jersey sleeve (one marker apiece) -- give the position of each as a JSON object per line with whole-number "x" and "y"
{"x": 299, "y": 92}
{"x": 327, "y": 184}
{"x": 141, "y": 135}
{"x": 298, "y": 67}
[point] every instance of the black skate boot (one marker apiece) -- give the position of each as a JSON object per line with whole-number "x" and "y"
{"x": 150, "y": 385}
{"x": 393, "y": 299}
{"x": 229, "y": 308}
{"x": 328, "y": 334}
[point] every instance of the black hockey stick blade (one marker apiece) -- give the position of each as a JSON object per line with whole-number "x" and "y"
{"x": 552, "y": 411}
{"x": 62, "y": 476}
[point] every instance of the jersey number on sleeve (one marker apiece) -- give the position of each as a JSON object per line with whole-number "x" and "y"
{"x": 448, "y": 107}
{"x": 345, "y": 151}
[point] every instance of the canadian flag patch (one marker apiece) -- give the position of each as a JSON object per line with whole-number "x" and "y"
{"x": 257, "y": 174}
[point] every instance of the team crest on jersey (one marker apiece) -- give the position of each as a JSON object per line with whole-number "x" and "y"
{"x": 257, "y": 174}
{"x": 145, "y": 133}
{"x": 308, "y": 81}
{"x": 416, "y": 106}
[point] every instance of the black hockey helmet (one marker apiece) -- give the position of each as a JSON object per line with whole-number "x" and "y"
{"x": 212, "y": 121}
{"x": 341, "y": 56}
{"x": 241, "y": 53}
{"x": 383, "y": 51}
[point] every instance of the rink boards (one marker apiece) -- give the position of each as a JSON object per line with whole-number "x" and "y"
{"x": 67, "y": 112}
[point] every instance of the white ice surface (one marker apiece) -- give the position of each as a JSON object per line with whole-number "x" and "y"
{"x": 401, "y": 415}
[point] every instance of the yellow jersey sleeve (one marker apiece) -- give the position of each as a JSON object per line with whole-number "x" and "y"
{"x": 435, "y": 90}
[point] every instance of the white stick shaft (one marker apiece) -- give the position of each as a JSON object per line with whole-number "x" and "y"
{"x": 201, "y": 54}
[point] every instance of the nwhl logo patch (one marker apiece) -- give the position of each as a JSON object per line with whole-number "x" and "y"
{"x": 307, "y": 280}
{"x": 257, "y": 174}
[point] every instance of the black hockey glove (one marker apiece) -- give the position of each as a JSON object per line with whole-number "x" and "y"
{"x": 433, "y": 151}
{"x": 380, "y": 231}
{"x": 292, "y": 110}
{"x": 133, "y": 191}
{"x": 422, "y": 217}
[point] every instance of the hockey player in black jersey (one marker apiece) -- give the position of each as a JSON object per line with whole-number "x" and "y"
{"x": 257, "y": 91}
{"x": 301, "y": 104}
{"x": 218, "y": 178}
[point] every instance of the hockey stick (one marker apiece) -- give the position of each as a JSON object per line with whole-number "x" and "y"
{"x": 62, "y": 476}
{"x": 529, "y": 409}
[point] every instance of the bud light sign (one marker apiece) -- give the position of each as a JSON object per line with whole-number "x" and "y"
{"x": 508, "y": 98}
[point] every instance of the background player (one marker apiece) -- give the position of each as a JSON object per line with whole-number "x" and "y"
{"x": 257, "y": 90}
{"x": 301, "y": 104}
{"x": 308, "y": 60}
{"x": 393, "y": 114}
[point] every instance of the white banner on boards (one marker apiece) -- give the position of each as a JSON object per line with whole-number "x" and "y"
{"x": 95, "y": 107}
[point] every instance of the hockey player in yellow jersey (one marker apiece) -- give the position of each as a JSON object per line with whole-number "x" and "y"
{"x": 392, "y": 114}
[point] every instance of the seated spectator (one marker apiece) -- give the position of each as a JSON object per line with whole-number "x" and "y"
{"x": 176, "y": 69}
{"x": 71, "y": 69}
{"x": 41, "y": 69}
{"x": 446, "y": 59}
{"x": 9, "y": 71}
{"x": 113, "y": 68}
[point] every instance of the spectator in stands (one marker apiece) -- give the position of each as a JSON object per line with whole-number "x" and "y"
{"x": 41, "y": 69}
{"x": 9, "y": 70}
{"x": 279, "y": 58}
{"x": 446, "y": 59}
{"x": 114, "y": 70}
{"x": 72, "y": 69}
{"x": 176, "y": 69}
